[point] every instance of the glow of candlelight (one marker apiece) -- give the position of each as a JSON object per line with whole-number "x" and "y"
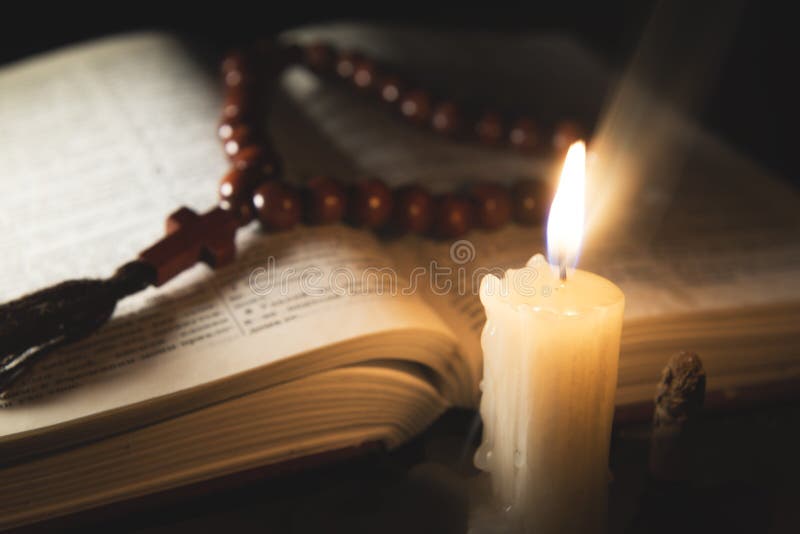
{"x": 566, "y": 220}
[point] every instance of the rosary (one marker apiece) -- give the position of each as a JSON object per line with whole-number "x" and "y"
{"x": 34, "y": 325}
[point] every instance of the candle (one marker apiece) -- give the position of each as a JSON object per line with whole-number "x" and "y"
{"x": 550, "y": 351}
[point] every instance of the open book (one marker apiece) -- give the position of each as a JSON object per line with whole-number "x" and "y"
{"x": 323, "y": 338}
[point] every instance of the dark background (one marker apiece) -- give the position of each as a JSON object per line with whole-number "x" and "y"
{"x": 751, "y": 101}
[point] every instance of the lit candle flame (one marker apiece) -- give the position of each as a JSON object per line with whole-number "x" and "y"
{"x": 566, "y": 219}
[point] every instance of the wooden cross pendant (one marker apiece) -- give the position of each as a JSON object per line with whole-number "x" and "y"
{"x": 191, "y": 238}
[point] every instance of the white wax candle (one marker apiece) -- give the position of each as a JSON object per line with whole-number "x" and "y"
{"x": 550, "y": 350}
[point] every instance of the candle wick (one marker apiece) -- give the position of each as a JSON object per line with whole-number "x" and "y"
{"x": 562, "y": 270}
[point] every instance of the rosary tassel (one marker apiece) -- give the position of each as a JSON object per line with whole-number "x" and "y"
{"x": 34, "y": 325}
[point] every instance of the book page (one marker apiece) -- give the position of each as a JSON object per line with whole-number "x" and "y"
{"x": 359, "y": 136}
{"x": 100, "y": 143}
{"x": 467, "y": 67}
{"x": 704, "y": 229}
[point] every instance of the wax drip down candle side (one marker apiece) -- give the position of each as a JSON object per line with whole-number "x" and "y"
{"x": 551, "y": 350}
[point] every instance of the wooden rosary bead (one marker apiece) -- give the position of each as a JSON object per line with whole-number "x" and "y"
{"x": 235, "y": 61}
{"x": 390, "y": 90}
{"x": 255, "y": 158}
{"x": 489, "y": 129}
{"x": 529, "y": 200}
{"x": 416, "y": 106}
{"x": 233, "y": 79}
{"x": 238, "y": 138}
{"x": 492, "y": 204}
{"x": 237, "y": 70}
{"x": 524, "y": 135}
{"x": 346, "y": 65}
{"x": 370, "y": 204}
{"x": 325, "y": 201}
{"x": 232, "y": 147}
{"x": 225, "y": 129}
{"x": 413, "y": 210}
{"x": 318, "y": 57}
{"x": 453, "y": 217}
{"x": 364, "y": 74}
{"x": 445, "y": 118}
{"x": 238, "y": 105}
{"x": 236, "y": 193}
{"x": 248, "y": 158}
{"x": 566, "y": 133}
{"x": 277, "y": 205}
